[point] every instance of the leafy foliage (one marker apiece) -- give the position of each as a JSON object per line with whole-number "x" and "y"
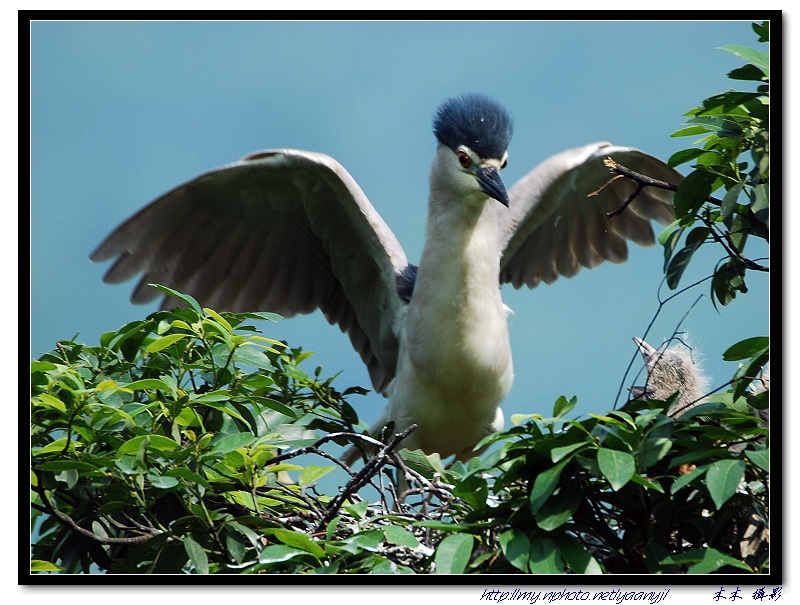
{"x": 633, "y": 491}
{"x": 157, "y": 451}
{"x": 162, "y": 451}
{"x": 733, "y": 125}
{"x": 188, "y": 442}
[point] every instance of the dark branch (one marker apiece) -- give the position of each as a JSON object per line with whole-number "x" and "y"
{"x": 643, "y": 181}
{"x": 725, "y": 241}
{"x": 68, "y": 521}
{"x": 372, "y": 466}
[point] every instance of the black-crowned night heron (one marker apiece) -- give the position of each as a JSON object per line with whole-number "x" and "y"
{"x": 290, "y": 231}
{"x": 669, "y": 371}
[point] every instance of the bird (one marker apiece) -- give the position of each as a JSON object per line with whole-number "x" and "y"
{"x": 759, "y": 385}
{"x": 671, "y": 370}
{"x": 290, "y": 231}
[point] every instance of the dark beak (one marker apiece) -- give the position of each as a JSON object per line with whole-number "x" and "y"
{"x": 492, "y": 185}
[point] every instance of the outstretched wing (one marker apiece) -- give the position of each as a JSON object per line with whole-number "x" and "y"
{"x": 554, "y": 228}
{"x": 285, "y": 231}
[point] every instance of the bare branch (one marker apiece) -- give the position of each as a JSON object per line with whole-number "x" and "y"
{"x": 643, "y": 181}
{"x": 371, "y": 467}
{"x": 65, "y": 519}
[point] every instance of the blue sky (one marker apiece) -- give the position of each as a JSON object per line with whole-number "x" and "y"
{"x": 123, "y": 112}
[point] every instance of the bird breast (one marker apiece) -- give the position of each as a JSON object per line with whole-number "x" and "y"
{"x": 455, "y": 338}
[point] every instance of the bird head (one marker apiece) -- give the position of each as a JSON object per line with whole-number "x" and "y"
{"x": 671, "y": 370}
{"x": 476, "y": 130}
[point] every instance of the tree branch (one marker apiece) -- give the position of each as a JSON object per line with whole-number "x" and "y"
{"x": 730, "y": 247}
{"x": 65, "y": 519}
{"x": 371, "y": 467}
{"x": 643, "y": 181}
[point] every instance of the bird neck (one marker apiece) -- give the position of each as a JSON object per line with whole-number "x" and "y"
{"x": 458, "y": 281}
{"x": 454, "y": 337}
{"x": 462, "y": 234}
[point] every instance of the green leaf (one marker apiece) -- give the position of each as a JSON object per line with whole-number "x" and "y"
{"x": 729, "y": 201}
{"x": 276, "y": 406}
{"x": 749, "y": 55}
{"x": 262, "y": 315}
{"x": 64, "y": 465}
{"x": 706, "y": 560}
{"x": 618, "y": 467}
{"x": 745, "y": 349}
{"x": 762, "y": 29}
{"x": 220, "y": 320}
{"x": 190, "y": 476}
{"x": 197, "y": 555}
{"x": 759, "y": 457}
{"x": 70, "y": 477}
{"x": 714, "y": 560}
{"x": 747, "y": 371}
{"x": 162, "y": 482}
{"x": 516, "y": 547}
{"x": 189, "y": 300}
{"x": 388, "y": 567}
{"x": 474, "y": 490}
{"x": 686, "y": 479}
{"x": 427, "y": 464}
{"x": 576, "y": 555}
{"x": 747, "y": 72}
{"x": 760, "y": 205}
{"x": 158, "y": 442}
{"x": 39, "y": 566}
{"x": 59, "y": 445}
{"x": 212, "y": 401}
{"x": 253, "y": 357}
{"x": 42, "y": 366}
{"x": 669, "y": 238}
{"x": 277, "y": 553}
{"x": 453, "y": 553}
{"x": 730, "y": 103}
{"x": 653, "y": 450}
{"x": 545, "y": 484}
{"x": 563, "y": 406}
{"x": 358, "y": 509}
{"x": 298, "y": 540}
{"x": 371, "y": 540}
{"x": 723, "y": 478}
{"x": 644, "y": 482}
{"x": 683, "y": 156}
{"x": 545, "y": 558}
{"x": 147, "y": 383}
{"x": 311, "y": 474}
{"x": 671, "y": 232}
{"x": 680, "y": 261}
{"x": 690, "y": 131}
{"x": 557, "y": 511}
{"x": 232, "y": 442}
{"x": 164, "y": 342}
{"x": 693, "y": 192}
{"x": 558, "y": 453}
{"x": 47, "y": 400}
{"x": 396, "y": 534}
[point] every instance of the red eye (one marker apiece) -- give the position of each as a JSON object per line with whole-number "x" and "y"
{"x": 464, "y": 159}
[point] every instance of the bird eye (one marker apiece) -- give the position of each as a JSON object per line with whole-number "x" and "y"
{"x": 505, "y": 163}
{"x": 464, "y": 159}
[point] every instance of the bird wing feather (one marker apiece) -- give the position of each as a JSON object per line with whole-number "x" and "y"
{"x": 285, "y": 231}
{"x": 553, "y": 228}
